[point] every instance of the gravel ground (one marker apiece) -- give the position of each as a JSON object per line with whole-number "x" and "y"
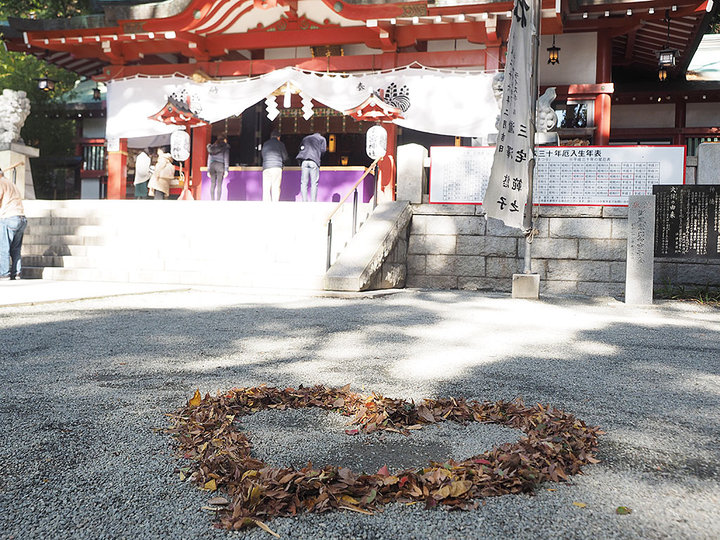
{"x": 86, "y": 384}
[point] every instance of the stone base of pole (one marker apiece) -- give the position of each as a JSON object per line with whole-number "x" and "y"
{"x": 526, "y": 286}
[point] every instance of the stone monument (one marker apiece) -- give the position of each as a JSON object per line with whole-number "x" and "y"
{"x": 708, "y": 163}
{"x": 411, "y": 176}
{"x": 640, "y": 249}
{"x": 14, "y": 110}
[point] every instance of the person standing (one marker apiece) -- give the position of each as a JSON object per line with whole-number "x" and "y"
{"x": 12, "y": 228}
{"x": 161, "y": 177}
{"x": 312, "y": 148}
{"x": 274, "y": 155}
{"x": 218, "y": 165}
{"x": 142, "y": 174}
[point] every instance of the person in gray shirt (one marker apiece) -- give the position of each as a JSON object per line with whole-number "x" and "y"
{"x": 312, "y": 149}
{"x": 274, "y": 155}
{"x": 218, "y": 165}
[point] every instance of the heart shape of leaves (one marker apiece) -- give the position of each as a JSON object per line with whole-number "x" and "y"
{"x": 556, "y": 445}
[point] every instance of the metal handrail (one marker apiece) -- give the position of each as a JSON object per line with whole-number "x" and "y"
{"x": 351, "y": 191}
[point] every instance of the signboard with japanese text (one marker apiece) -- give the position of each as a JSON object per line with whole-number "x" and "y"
{"x": 687, "y": 221}
{"x": 507, "y": 190}
{"x": 459, "y": 174}
{"x": 604, "y": 175}
{"x": 564, "y": 175}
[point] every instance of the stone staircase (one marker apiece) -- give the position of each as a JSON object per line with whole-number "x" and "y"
{"x": 245, "y": 244}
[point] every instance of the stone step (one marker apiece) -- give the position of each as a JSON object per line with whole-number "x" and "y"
{"x": 62, "y": 239}
{"x": 79, "y": 229}
{"x": 63, "y": 221}
{"x": 314, "y": 263}
{"x": 215, "y": 277}
{"x": 264, "y": 254}
{"x": 46, "y": 249}
{"x": 243, "y": 244}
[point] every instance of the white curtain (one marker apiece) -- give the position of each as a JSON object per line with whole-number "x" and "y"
{"x": 445, "y": 102}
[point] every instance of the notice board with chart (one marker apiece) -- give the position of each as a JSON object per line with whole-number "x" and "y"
{"x": 564, "y": 175}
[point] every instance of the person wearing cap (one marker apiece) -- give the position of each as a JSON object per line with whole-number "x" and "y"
{"x": 12, "y": 227}
{"x": 274, "y": 155}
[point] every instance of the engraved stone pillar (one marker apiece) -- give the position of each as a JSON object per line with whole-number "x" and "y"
{"x": 411, "y": 172}
{"x": 640, "y": 249}
{"x": 708, "y": 163}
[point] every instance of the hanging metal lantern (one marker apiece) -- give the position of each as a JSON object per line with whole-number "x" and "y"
{"x": 553, "y": 56}
{"x": 667, "y": 57}
{"x": 46, "y": 84}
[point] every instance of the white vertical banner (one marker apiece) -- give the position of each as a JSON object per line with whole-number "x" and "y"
{"x": 507, "y": 190}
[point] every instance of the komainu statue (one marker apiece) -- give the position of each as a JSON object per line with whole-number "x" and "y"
{"x": 14, "y": 109}
{"x": 545, "y": 117}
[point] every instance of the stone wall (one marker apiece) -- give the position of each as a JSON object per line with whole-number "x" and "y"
{"x": 579, "y": 250}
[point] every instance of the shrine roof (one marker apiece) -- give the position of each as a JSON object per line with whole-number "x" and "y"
{"x": 138, "y": 33}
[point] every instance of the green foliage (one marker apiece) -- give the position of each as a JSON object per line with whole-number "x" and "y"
{"x": 43, "y": 9}
{"x": 702, "y": 295}
{"x": 20, "y": 71}
{"x": 55, "y": 137}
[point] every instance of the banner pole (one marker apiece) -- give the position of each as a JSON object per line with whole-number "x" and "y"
{"x": 528, "y": 215}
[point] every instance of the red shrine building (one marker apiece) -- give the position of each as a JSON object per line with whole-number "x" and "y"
{"x": 246, "y": 67}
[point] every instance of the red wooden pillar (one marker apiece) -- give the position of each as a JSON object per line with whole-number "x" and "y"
{"x": 117, "y": 171}
{"x": 603, "y": 101}
{"x": 602, "y": 119}
{"x": 492, "y": 58}
{"x": 200, "y": 139}
{"x": 387, "y": 164}
{"x": 680, "y": 115}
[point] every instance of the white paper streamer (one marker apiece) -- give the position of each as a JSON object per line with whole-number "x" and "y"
{"x": 271, "y": 107}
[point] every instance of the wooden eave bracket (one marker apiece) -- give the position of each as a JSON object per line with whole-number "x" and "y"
{"x": 491, "y": 31}
{"x": 386, "y": 36}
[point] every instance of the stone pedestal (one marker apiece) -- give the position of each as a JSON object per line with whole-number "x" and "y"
{"x": 526, "y": 286}
{"x": 410, "y": 172}
{"x": 640, "y": 249}
{"x": 708, "y": 163}
{"x": 21, "y": 175}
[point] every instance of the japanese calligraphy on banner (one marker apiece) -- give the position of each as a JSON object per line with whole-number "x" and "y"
{"x": 507, "y": 189}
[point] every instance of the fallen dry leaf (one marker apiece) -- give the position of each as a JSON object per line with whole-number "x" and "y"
{"x": 210, "y": 485}
{"x": 207, "y": 431}
{"x": 196, "y": 399}
{"x": 356, "y": 509}
{"x": 265, "y": 528}
{"x": 623, "y": 510}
